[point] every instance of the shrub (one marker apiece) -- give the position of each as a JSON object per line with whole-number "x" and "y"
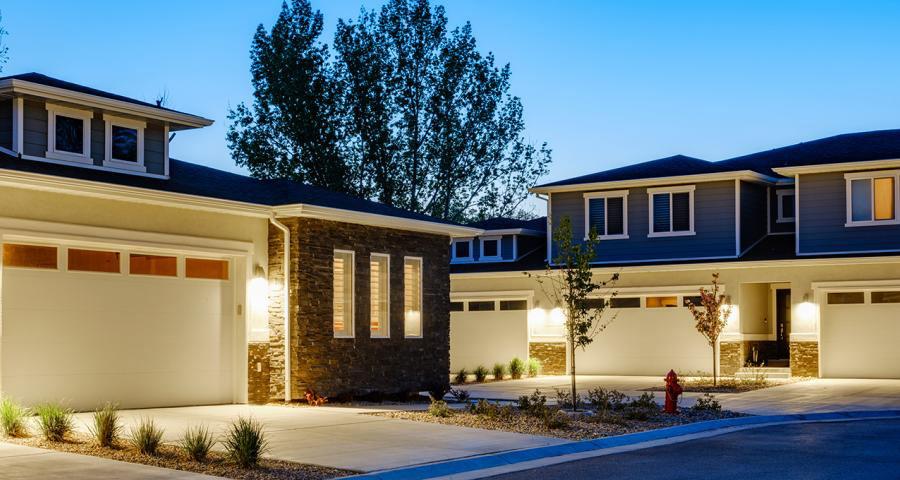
{"x": 606, "y": 400}
{"x": 462, "y": 376}
{"x": 54, "y": 420}
{"x": 707, "y": 403}
{"x": 106, "y": 426}
{"x": 481, "y": 373}
{"x": 197, "y": 442}
{"x": 146, "y": 437}
{"x": 555, "y": 419}
{"x": 516, "y": 368}
{"x": 534, "y": 404}
{"x": 534, "y": 367}
{"x": 564, "y": 399}
{"x": 499, "y": 371}
{"x": 12, "y": 418}
{"x": 642, "y": 408}
{"x": 459, "y": 395}
{"x": 439, "y": 408}
{"x": 246, "y": 442}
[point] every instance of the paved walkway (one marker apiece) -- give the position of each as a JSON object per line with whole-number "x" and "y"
{"x": 26, "y": 463}
{"x": 814, "y": 395}
{"x": 340, "y": 437}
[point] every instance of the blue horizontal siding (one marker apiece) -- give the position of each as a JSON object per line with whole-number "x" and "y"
{"x": 753, "y": 213}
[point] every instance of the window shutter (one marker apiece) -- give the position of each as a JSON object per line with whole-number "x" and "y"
{"x": 615, "y": 222}
{"x": 661, "y": 212}
{"x": 681, "y": 212}
{"x": 597, "y": 216}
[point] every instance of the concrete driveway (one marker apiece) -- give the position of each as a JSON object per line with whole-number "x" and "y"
{"x": 814, "y": 395}
{"x": 339, "y": 437}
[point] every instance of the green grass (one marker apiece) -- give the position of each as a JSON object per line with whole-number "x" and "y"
{"x": 245, "y": 442}
{"x": 197, "y": 442}
{"x": 12, "y": 418}
{"x": 54, "y": 421}
{"x": 516, "y": 368}
{"x": 146, "y": 437}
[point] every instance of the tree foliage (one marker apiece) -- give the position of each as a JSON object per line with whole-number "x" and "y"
{"x": 4, "y": 50}
{"x": 408, "y": 112}
{"x": 711, "y": 316}
{"x": 570, "y": 284}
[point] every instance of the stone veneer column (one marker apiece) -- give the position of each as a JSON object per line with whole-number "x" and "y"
{"x": 805, "y": 359}
{"x": 731, "y": 357}
{"x": 258, "y": 373}
{"x": 551, "y": 355}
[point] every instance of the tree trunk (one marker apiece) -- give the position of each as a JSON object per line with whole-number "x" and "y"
{"x": 572, "y": 371}
{"x": 715, "y": 379}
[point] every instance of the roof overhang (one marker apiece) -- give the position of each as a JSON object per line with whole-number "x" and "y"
{"x": 373, "y": 219}
{"x": 746, "y": 175}
{"x": 838, "y": 167}
{"x": 515, "y": 231}
{"x": 24, "y": 87}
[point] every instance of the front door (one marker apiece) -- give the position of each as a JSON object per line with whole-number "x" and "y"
{"x": 783, "y": 322}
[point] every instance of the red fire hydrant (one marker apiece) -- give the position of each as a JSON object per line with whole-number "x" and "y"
{"x": 673, "y": 390}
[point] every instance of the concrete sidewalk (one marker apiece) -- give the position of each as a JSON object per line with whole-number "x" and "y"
{"x": 27, "y": 463}
{"x": 339, "y": 437}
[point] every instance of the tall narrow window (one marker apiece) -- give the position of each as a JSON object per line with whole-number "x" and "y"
{"x": 343, "y": 293}
{"x": 379, "y": 295}
{"x": 607, "y": 213}
{"x": 671, "y": 211}
{"x": 412, "y": 297}
{"x": 872, "y": 198}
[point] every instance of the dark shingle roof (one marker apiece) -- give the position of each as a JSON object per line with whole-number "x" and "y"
{"x": 502, "y": 223}
{"x": 530, "y": 261}
{"x": 664, "y": 167}
{"x": 192, "y": 179}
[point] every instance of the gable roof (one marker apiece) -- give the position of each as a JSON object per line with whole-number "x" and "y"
{"x": 673, "y": 166}
{"x": 504, "y": 223}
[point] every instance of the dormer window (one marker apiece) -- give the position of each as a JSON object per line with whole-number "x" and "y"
{"x": 124, "y": 143}
{"x": 490, "y": 248}
{"x": 785, "y": 206}
{"x": 69, "y": 134}
{"x": 462, "y": 250}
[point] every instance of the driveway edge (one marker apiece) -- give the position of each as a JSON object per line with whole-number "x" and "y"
{"x": 516, "y": 460}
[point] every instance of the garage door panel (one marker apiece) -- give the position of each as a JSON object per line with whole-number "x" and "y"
{"x": 860, "y": 341}
{"x": 486, "y": 338}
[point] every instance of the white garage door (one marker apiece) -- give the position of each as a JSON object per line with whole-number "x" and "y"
{"x": 860, "y": 334}
{"x": 646, "y": 338}
{"x": 137, "y": 340}
{"x": 487, "y": 331}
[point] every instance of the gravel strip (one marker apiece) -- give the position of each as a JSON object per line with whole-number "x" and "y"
{"x": 581, "y": 428}
{"x": 171, "y": 457}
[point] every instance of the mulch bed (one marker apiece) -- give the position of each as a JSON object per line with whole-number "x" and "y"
{"x": 581, "y": 428}
{"x": 725, "y": 385}
{"x": 171, "y": 457}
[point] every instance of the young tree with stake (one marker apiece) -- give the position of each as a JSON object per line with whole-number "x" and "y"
{"x": 711, "y": 317}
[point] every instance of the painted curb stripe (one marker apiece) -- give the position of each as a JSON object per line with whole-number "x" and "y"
{"x": 482, "y": 462}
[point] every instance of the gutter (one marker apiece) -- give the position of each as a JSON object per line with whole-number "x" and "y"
{"x": 747, "y": 175}
{"x": 286, "y": 305}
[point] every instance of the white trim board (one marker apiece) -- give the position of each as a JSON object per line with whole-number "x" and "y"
{"x": 748, "y": 175}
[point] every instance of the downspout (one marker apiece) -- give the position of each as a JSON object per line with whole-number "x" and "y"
{"x": 549, "y": 224}
{"x": 286, "y": 305}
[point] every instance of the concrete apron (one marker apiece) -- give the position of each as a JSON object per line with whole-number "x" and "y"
{"x": 526, "y": 459}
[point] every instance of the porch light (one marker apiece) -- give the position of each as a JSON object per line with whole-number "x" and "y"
{"x": 557, "y": 317}
{"x": 806, "y": 310}
{"x": 537, "y": 316}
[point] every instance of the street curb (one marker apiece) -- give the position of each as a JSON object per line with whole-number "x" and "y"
{"x": 467, "y": 467}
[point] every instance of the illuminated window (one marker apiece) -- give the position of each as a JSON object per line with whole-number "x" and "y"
{"x": 872, "y": 197}
{"x": 140, "y": 264}
{"x": 29, "y": 256}
{"x": 379, "y": 295}
{"x": 343, "y": 293}
{"x": 412, "y": 297}
{"x": 846, "y": 298}
{"x": 206, "y": 268}
{"x": 662, "y": 302}
{"x": 93, "y": 261}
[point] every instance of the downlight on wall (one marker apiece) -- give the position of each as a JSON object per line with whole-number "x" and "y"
{"x": 258, "y": 293}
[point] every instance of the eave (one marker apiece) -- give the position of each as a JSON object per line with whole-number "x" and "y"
{"x": 838, "y": 167}
{"x": 373, "y": 219}
{"x": 745, "y": 175}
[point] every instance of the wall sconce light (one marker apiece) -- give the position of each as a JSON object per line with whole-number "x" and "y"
{"x": 259, "y": 271}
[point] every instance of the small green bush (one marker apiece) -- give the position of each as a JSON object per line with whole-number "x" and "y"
{"x": 459, "y": 395}
{"x": 197, "y": 442}
{"x": 555, "y": 419}
{"x": 439, "y": 408}
{"x": 534, "y": 367}
{"x": 106, "y": 427}
{"x": 499, "y": 371}
{"x": 481, "y": 373}
{"x": 54, "y": 420}
{"x": 12, "y": 418}
{"x": 534, "y": 404}
{"x": 246, "y": 442}
{"x": 461, "y": 377}
{"x": 494, "y": 411}
{"x": 516, "y": 368}
{"x": 707, "y": 403}
{"x": 642, "y": 408}
{"x": 146, "y": 437}
{"x": 606, "y": 400}
{"x": 564, "y": 399}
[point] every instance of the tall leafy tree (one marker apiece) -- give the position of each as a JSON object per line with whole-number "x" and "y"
{"x": 4, "y": 50}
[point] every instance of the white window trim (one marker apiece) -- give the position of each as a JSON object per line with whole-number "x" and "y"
{"x": 623, "y": 194}
{"x": 670, "y": 190}
{"x": 387, "y": 292}
{"x": 482, "y": 256}
{"x": 780, "y": 194}
{"x": 849, "y": 177}
{"x": 352, "y": 294}
{"x": 421, "y": 297}
{"x": 453, "y": 256}
{"x": 85, "y": 116}
{"x": 108, "y": 160}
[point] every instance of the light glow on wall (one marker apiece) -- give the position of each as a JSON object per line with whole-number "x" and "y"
{"x": 544, "y": 324}
{"x": 557, "y": 317}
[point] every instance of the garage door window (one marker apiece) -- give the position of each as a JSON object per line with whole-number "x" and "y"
{"x": 625, "y": 302}
{"x": 695, "y": 300}
{"x": 140, "y": 264}
{"x": 886, "y": 297}
{"x": 206, "y": 268}
{"x": 513, "y": 305}
{"x": 29, "y": 256}
{"x": 457, "y": 306}
{"x": 93, "y": 261}
{"x": 482, "y": 306}
{"x": 846, "y": 298}
{"x": 662, "y": 302}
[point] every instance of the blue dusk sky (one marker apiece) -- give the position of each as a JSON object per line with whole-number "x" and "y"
{"x": 605, "y": 83}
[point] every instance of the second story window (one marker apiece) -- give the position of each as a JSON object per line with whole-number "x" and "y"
{"x": 785, "y": 206}
{"x": 671, "y": 211}
{"x": 69, "y": 134}
{"x": 461, "y": 249}
{"x": 607, "y": 213}
{"x": 872, "y": 198}
{"x": 124, "y": 143}
{"x": 490, "y": 248}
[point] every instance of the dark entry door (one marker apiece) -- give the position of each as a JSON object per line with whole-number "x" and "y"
{"x": 783, "y": 322}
